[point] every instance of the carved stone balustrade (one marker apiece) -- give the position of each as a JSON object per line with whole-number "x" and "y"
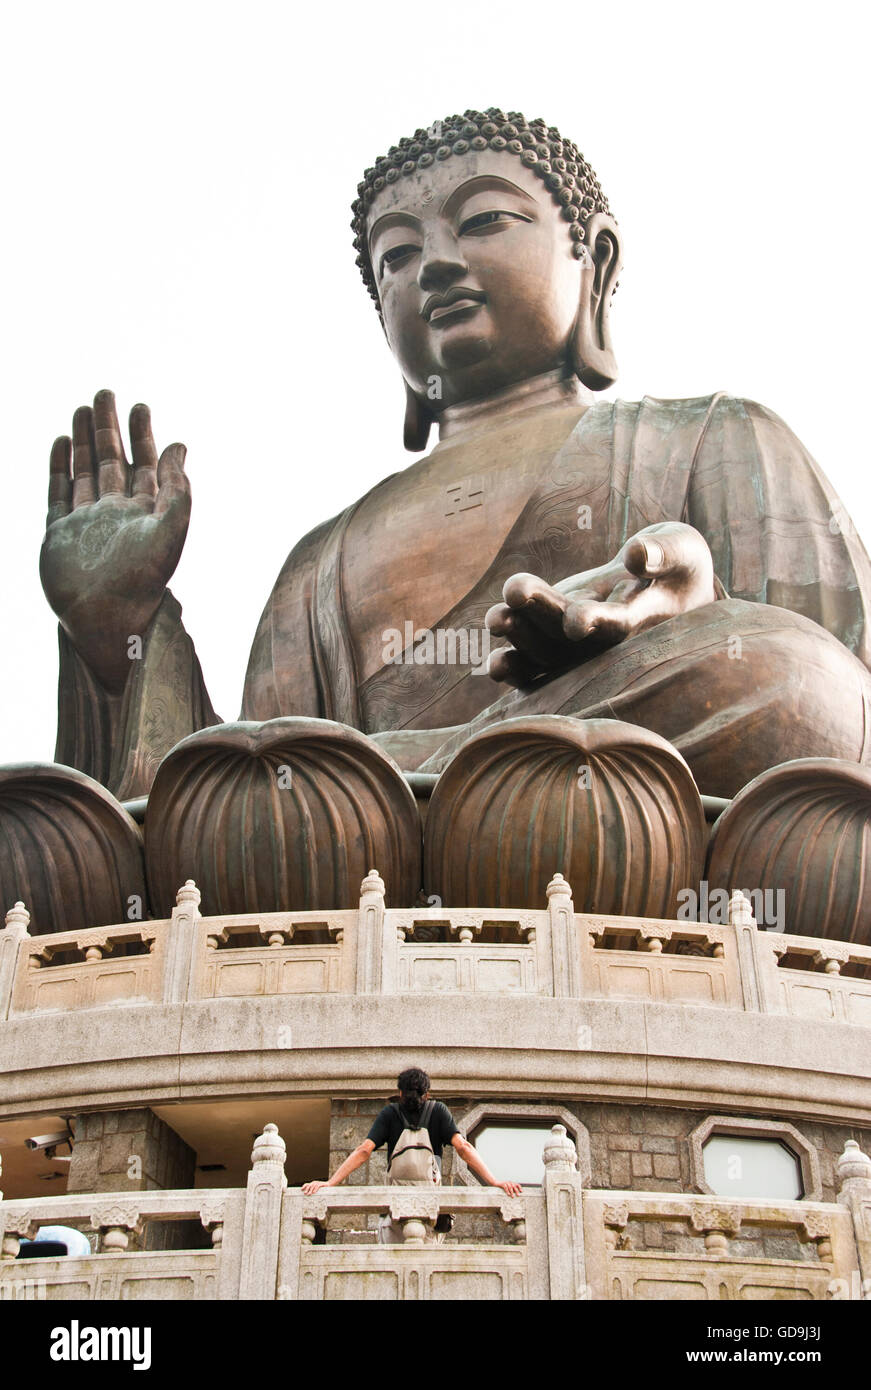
{"x": 552, "y": 952}
{"x": 565, "y": 1242}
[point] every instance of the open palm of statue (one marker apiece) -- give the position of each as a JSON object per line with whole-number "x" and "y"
{"x": 114, "y": 533}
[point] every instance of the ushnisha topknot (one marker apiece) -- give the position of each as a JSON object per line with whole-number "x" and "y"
{"x": 558, "y": 162}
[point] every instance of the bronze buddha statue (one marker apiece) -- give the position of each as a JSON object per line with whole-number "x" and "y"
{"x": 673, "y": 564}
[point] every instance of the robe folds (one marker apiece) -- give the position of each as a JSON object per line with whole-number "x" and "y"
{"x": 795, "y": 579}
{"x": 779, "y": 537}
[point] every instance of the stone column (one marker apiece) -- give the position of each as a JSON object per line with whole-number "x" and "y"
{"x": 564, "y": 940}
{"x": 565, "y": 1231}
{"x": 128, "y": 1151}
{"x": 135, "y": 1151}
{"x": 376, "y": 947}
{"x": 179, "y": 945}
{"x": 756, "y": 959}
{"x": 854, "y": 1192}
{"x": 11, "y": 935}
{"x": 262, "y": 1224}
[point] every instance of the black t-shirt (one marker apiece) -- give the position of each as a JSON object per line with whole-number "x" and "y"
{"x": 390, "y": 1122}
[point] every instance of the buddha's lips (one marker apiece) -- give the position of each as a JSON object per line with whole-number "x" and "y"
{"x": 460, "y": 297}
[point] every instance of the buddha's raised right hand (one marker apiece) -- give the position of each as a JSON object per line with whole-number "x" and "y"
{"x": 114, "y": 533}
{"x": 662, "y": 571}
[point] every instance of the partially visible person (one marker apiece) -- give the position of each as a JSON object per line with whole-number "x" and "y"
{"x": 415, "y": 1130}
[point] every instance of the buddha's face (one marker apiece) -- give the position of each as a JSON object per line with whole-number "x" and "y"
{"x": 478, "y": 283}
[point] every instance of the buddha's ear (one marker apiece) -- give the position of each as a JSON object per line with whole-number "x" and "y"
{"x": 592, "y": 355}
{"x": 417, "y": 422}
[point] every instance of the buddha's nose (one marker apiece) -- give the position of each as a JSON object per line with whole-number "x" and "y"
{"x": 441, "y": 262}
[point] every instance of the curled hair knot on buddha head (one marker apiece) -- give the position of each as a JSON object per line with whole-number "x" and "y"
{"x": 556, "y": 161}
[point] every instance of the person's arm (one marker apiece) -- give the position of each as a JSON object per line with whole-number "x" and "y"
{"x": 469, "y": 1154}
{"x": 352, "y": 1162}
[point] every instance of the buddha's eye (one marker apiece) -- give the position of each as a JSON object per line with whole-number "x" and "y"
{"x": 395, "y": 254}
{"x": 491, "y": 221}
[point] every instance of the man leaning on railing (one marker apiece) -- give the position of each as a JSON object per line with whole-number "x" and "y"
{"x": 415, "y": 1130}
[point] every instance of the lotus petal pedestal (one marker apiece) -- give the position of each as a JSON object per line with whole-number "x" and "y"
{"x": 68, "y": 850}
{"x": 803, "y": 829}
{"x": 611, "y": 806}
{"x": 289, "y": 815}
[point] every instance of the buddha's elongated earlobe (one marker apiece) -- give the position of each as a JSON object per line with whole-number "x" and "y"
{"x": 418, "y": 421}
{"x": 592, "y": 356}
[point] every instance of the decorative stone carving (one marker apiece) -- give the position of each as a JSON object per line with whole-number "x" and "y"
{"x": 282, "y": 816}
{"x": 615, "y": 1214}
{"x": 717, "y": 1223}
{"x": 512, "y": 1209}
{"x": 212, "y": 1215}
{"x": 741, "y": 910}
{"x": 853, "y": 1167}
{"x": 466, "y": 931}
{"x": 804, "y": 828}
{"x": 817, "y": 1226}
{"x": 17, "y": 920}
{"x": 17, "y": 1227}
{"x": 67, "y": 848}
{"x": 414, "y": 1205}
{"x": 269, "y": 1147}
{"x": 315, "y": 1208}
{"x": 115, "y": 1221}
{"x": 831, "y": 958}
{"x": 611, "y": 806}
{"x": 560, "y": 1154}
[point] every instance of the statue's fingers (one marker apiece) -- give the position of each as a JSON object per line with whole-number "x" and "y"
{"x": 511, "y": 667}
{"x": 671, "y": 548}
{"x": 144, "y": 453}
{"x": 60, "y": 483}
{"x": 84, "y": 458}
{"x": 173, "y": 486}
{"x": 111, "y": 462}
{"x": 645, "y": 557}
{"x": 528, "y": 638}
{"x": 498, "y": 619}
{"x": 537, "y": 600}
{"x": 600, "y": 624}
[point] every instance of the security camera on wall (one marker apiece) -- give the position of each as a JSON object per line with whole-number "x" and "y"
{"x": 49, "y": 1143}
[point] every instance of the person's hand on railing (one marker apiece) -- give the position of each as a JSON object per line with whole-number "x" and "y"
{"x": 513, "y": 1189}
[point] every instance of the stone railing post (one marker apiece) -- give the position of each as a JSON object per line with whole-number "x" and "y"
{"x": 718, "y": 1225}
{"x": 11, "y": 935}
{"x": 376, "y": 944}
{"x": 262, "y": 1224}
{"x": 116, "y": 1222}
{"x": 854, "y": 1193}
{"x": 180, "y": 944}
{"x": 13, "y": 1230}
{"x": 565, "y": 1230}
{"x": 756, "y": 961}
{"x": 565, "y": 947}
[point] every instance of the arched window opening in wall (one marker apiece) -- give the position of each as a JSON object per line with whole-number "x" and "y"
{"x": 731, "y": 1156}
{"x": 510, "y": 1137}
{"x": 741, "y": 1167}
{"x": 515, "y": 1150}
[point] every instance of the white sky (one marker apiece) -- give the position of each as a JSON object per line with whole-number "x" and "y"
{"x": 177, "y": 182}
